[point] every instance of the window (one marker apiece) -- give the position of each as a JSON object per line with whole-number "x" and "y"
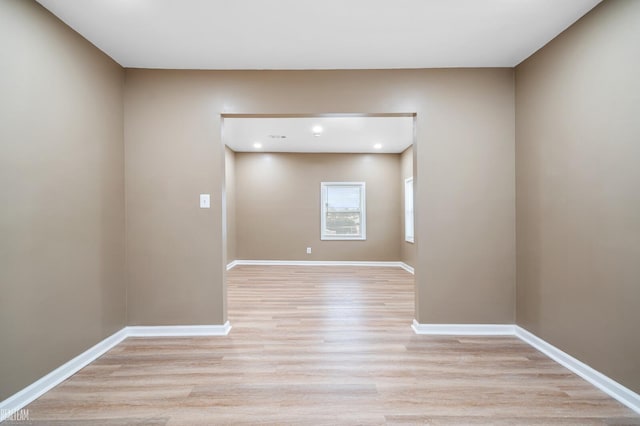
{"x": 408, "y": 210}
{"x": 342, "y": 211}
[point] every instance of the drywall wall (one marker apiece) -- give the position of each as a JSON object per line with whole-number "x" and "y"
{"x": 578, "y": 186}
{"x": 407, "y": 249}
{"x": 278, "y": 205}
{"x": 465, "y": 195}
{"x": 230, "y": 198}
{"x": 62, "y": 286}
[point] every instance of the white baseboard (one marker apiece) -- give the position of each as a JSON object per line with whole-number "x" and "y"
{"x": 596, "y": 378}
{"x": 178, "y": 330}
{"x": 407, "y": 268}
{"x": 464, "y": 329}
{"x": 29, "y": 394}
{"x": 319, "y": 263}
{"x": 57, "y": 376}
{"x": 609, "y": 386}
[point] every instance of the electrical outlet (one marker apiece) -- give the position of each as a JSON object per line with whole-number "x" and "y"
{"x": 308, "y": 250}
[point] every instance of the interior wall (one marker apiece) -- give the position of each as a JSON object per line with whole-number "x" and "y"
{"x": 407, "y": 250}
{"x": 230, "y": 191}
{"x": 278, "y": 205}
{"x": 465, "y": 195}
{"x": 578, "y": 186}
{"x": 62, "y": 282}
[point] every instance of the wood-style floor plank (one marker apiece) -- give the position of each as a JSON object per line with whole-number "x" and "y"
{"x": 325, "y": 345}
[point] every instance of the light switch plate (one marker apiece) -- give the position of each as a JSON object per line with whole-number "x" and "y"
{"x": 205, "y": 201}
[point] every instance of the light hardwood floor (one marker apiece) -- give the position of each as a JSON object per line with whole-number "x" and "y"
{"x": 325, "y": 345}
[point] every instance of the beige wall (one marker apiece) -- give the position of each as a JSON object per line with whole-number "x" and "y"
{"x": 407, "y": 250}
{"x": 230, "y": 191}
{"x": 278, "y": 205}
{"x": 62, "y": 285}
{"x": 465, "y": 193}
{"x": 578, "y": 183}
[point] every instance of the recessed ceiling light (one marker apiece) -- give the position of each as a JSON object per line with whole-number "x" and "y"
{"x": 257, "y": 145}
{"x": 316, "y": 130}
{"x": 377, "y": 146}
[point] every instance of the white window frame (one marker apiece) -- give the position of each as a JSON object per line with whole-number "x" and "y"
{"x": 323, "y": 212}
{"x": 408, "y": 214}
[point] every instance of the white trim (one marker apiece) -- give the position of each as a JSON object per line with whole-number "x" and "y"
{"x": 178, "y": 330}
{"x": 386, "y": 264}
{"x": 320, "y": 263}
{"x": 29, "y": 394}
{"x": 464, "y": 329}
{"x": 363, "y": 212}
{"x": 609, "y": 386}
{"x": 407, "y": 268}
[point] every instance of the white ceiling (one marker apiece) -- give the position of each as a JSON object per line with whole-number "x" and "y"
{"x": 320, "y": 34}
{"x": 339, "y": 134}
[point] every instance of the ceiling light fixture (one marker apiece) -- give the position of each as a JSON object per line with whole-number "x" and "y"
{"x": 377, "y": 146}
{"x": 257, "y": 145}
{"x": 316, "y": 130}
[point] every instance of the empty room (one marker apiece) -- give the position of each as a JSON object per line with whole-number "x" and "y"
{"x": 338, "y": 212}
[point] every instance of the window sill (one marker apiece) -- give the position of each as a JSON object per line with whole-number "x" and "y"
{"x": 342, "y": 238}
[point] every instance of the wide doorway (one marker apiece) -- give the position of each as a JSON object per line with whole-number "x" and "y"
{"x": 322, "y": 188}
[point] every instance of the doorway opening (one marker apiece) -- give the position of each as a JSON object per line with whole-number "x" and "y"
{"x": 321, "y": 189}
